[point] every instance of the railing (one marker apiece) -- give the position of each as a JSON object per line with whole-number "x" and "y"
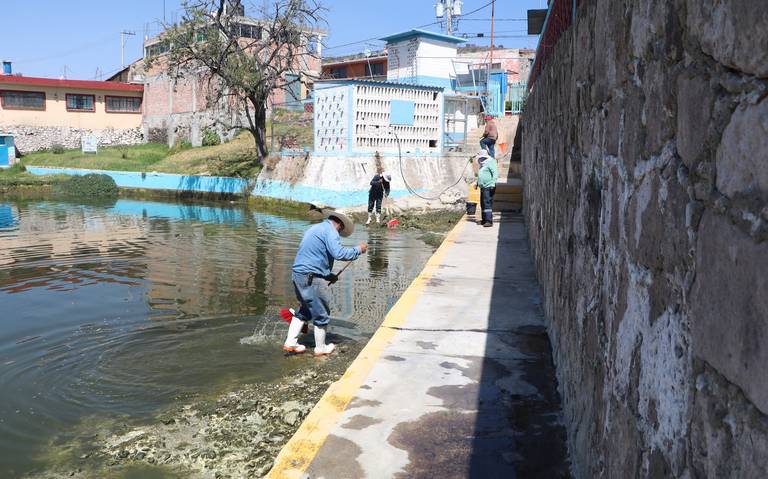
{"x": 516, "y": 98}
{"x": 559, "y": 18}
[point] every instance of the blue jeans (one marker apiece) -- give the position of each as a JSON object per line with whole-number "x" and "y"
{"x": 486, "y": 201}
{"x": 313, "y": 299}
{"x": 489, "y": 145}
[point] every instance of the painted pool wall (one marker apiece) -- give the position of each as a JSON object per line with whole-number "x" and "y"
{"x": 350, "y": 177}
{"x": 276, "y": 189}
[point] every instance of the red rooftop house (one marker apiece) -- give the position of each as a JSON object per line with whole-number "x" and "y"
{"x": 42, "y": 112}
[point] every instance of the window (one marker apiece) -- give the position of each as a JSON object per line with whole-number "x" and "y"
{"x": 80, "y": 102}
{"x": 374, "y": 69}
{"x": 286, "y": 35}
{"x": 339, "y": 72}
{"x": 250, "y": 31}
{"x": 22, "y": 100}
{"x": 122, "y": 104}
{"x": 312, "y": 44}
{"x": 156, "y": 49}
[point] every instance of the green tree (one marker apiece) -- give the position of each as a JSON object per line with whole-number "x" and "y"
{"x": 240, "y": 61}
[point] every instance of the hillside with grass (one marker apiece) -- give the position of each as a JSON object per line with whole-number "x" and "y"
{"x": 291, "y": 130}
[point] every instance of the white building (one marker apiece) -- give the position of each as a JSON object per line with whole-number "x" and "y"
{"x": 421, "y": 57}
{"x": 362, "y": 117}
{"x": 416, "y": 109}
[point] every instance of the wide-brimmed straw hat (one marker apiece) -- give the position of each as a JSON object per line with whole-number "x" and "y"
{"x": 349, "y": 225}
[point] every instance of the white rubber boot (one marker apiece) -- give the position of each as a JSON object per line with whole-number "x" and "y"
{"x": 369, "y": 219}
{"x": 322, "y": 349}
{"x": 378, "y": 218}
{"x": 291, "y": 344}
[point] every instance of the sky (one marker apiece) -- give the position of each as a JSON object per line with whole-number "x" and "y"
{"x": 81, "y": 39}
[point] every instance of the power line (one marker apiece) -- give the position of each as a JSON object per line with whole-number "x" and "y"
{"x": 498, "y": 19}
{"x": 375, "y": 38}
{"x": 420, "y": 26}
{"x": 476, "y": 10}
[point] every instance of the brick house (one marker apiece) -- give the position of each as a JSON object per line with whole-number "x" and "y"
{"x": 360, "y": 66}
{"x": 178, "y": 108}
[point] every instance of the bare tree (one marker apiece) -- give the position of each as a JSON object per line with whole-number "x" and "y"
{"x": 243, "y": 62}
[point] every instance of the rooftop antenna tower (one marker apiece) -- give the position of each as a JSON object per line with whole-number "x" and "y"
{"x": 448, "y": 12}
{"x": 123, "y": 34}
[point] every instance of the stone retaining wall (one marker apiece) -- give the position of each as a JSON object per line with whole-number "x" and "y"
{"x": 645, "y": 158}
{"x": 35, "y": 138}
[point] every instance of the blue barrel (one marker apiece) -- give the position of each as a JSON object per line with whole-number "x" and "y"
{"x": 7, "y": 69}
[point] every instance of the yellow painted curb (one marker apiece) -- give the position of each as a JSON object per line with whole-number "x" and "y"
{"x": 301, "y": 449}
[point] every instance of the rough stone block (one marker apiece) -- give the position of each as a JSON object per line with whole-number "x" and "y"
{"x": 729, "y": 306}
{"x": 742, "y": 158}
{"x": 694, "y": 108}
{"x": 733, "y": 32}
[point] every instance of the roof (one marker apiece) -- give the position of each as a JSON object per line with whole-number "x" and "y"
{"x": 360, "y": 59}
{"x": 82, "y": 84}
{"x": 347, "y": 81}
{"x": 416, "y": 32}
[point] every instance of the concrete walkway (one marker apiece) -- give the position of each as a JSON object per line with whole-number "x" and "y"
{"x": 457, "y": 382}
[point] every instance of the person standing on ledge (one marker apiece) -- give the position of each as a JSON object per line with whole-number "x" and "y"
{"x": 320, "y": 246}
{"x": 486, "y": 180}
{"x": 379, "y": 189}
{"x": 490, "y": 135}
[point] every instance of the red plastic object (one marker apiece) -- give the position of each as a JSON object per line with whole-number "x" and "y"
{"x": 392, "y": 223}
{"x": 287, "y": 316}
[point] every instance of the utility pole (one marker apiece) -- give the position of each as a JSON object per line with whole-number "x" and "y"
{"x": 449, "y": 16}
{"x": 123, "y": 34}
{"x": 451, "y": 11}
{"x": 490, "y": 65}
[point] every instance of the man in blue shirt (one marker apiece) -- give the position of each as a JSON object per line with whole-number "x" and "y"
{"x": 320, "y": 246}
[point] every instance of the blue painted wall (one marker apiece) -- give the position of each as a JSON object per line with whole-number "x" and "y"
{"x": 217, "y": 184}
{"x": 402, "y": 112}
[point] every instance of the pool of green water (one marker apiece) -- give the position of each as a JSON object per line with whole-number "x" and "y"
{"x": 118, "y": 310}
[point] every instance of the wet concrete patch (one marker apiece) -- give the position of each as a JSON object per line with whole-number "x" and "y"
{"x": 337, "y": 459}
{"x": 450, "y": 365}
{"x": 514, "y": 430}
{"x": 357, "y": 402}
{"x": 485, "y": 373}
{"x": 438, "y": 445}
{"x": 426, "y": 345}
{"x": 394, "y": 358}
{"x": 360, "y": 421}
{"x": 464, "y": 396}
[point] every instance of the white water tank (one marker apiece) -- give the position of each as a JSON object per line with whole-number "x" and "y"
{"x": 439, "y": 10}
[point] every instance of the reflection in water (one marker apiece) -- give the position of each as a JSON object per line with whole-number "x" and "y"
{"x": 121, "y": 309}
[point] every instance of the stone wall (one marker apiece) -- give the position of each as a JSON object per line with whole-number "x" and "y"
{"x": 645, "y": 158}
{"x": 35, "y": 138}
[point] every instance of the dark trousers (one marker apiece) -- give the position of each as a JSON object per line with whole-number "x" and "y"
{"x": 374, "y": 200}
{"x": 486, "y": 203}
{"x": 489, "y": 145}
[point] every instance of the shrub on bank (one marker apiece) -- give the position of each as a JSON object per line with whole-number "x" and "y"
{"x": 91, "y": 185}
{"x": 210, "y": 137}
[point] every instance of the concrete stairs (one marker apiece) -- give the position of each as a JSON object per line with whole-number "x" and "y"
{"x": 509, "y": 188}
